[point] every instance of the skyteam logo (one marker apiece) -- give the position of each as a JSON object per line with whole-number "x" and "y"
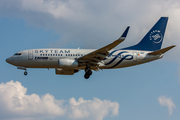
{"x": 125, "y": 57}
{"x": 156, "y": 36}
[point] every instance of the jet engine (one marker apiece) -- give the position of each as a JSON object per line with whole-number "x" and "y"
{"x": 68, "y": 63}
{"x": 60, "y": 71}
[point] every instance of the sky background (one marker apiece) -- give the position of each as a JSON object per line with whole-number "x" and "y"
{"x": 148, "y": 91}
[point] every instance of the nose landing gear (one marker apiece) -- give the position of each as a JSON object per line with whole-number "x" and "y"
{"x": 25, "y": 73}
{"x": 23, "y": 68}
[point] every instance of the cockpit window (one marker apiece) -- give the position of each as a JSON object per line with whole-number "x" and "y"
{"x": 17, "y": 54}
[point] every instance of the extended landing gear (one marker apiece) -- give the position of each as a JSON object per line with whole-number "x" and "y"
{"x": 23, "y": 68}
{"x": 88, "y": 73}
{"x": 25, "y": 73}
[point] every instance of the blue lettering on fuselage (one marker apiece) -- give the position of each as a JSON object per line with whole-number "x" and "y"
{"x": 61, "y": 51}
{"x": 46, "y": 51}
{"x": 41, "y": 58}
{"x": 52, "y": 51}
{"x": 67, "y": 51}
{"x": 41, "y": 51}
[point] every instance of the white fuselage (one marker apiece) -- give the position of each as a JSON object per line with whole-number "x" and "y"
{"x": 48, "y": 58}
{"x": 70, "y": 61}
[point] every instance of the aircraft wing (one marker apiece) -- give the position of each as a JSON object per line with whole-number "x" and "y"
{"x": 100, "y": 54}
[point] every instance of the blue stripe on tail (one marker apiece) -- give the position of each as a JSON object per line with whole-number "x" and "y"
{"x": 152, "y": 41}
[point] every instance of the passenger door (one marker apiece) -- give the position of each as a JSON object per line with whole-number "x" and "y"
{"x": 30, "y": 54}
{"x": 134, "y": 56}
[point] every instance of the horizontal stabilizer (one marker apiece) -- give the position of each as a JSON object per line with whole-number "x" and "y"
{"x": 161, "y": 51}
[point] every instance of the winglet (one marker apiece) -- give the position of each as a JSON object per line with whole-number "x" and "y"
{"x": 123, "y": 36}
{"x": 161, "y": 51}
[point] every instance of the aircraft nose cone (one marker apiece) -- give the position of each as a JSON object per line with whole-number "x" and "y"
{"x": 8, "y": 60}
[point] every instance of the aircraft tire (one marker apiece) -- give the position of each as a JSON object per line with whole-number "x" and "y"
{"x": 86, "y": 76}
{"x": 25, "y": 73}
{"x": 89, "y": 72}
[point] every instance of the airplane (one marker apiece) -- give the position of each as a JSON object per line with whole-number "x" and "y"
{"x": 70, "y": 61}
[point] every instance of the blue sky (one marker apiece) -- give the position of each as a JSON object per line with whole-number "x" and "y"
{"x": 148, "y": 91}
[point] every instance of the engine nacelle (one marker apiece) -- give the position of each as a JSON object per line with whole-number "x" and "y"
{"x": 60, "y": 71}
{"x": 68, "y": 63}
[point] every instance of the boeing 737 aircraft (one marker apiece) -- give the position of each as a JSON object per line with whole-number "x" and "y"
{"x": 70, "y": 61}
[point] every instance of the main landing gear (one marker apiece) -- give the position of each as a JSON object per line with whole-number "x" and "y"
{"x": 88, "y": 73}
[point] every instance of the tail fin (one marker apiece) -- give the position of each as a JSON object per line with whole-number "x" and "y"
{"x": 152, "y": 41}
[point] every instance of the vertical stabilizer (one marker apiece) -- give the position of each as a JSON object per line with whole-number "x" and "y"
{"x": 152, "y": 41}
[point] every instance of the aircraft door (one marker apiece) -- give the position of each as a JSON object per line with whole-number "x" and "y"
{"x": 134, "y": 56}
{"x": 30, "y": 54}
{"x": 137, "y": 56}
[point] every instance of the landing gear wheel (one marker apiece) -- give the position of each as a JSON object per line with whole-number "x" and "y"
{"x": 88, "y": 74}
{"x": 25, "y": 73}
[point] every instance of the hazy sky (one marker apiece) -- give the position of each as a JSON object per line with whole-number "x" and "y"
{"x": 143, "y": 92}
